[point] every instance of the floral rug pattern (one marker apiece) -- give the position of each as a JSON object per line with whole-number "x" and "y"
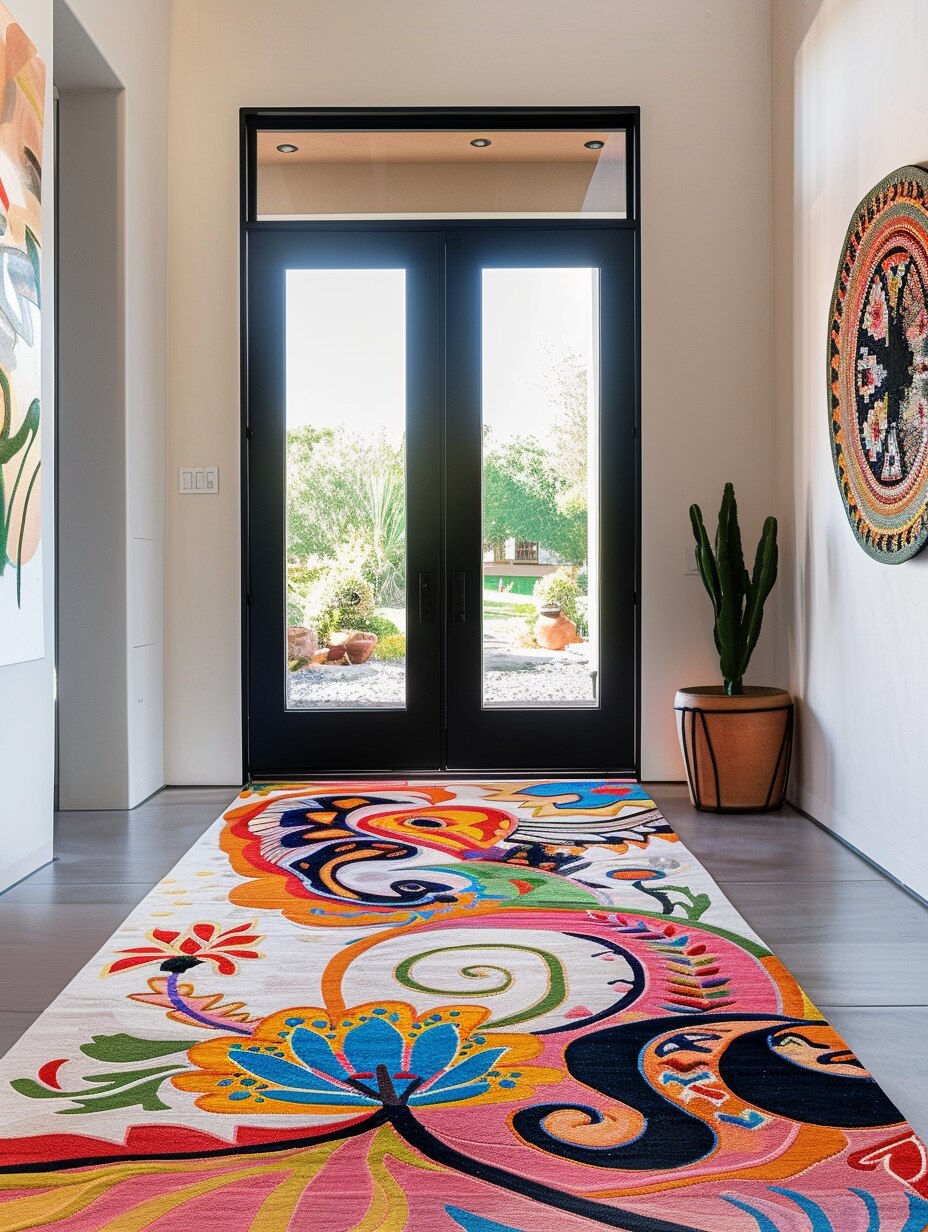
{"x": 435, "y": 1007}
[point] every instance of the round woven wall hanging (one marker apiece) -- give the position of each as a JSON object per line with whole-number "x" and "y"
{"x": 878, "y": 368}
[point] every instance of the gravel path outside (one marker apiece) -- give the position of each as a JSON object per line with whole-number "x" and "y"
{"x": 512, "y": 677}
{"x": 369, "y": 685}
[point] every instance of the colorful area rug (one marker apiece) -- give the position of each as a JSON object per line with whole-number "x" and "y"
{"x": 488, "y": 1007}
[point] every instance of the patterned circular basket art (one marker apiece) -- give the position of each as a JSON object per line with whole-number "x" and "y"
{"x": 878, "y": 368}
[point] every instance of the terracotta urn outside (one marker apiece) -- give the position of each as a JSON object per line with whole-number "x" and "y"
{"x": 553, "y": 631}
{"x": 736, "y": 749}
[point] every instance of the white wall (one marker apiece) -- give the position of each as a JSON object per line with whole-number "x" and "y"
{"x": 699, "y": 73}
{"x": 27, "y": 744}
{"x": 854, "y": 631}
{"x": 92, "y": 668}
{"x": 134, "y": 40}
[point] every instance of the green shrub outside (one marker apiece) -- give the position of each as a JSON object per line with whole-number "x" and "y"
{"x": 561, "y": 588}
{"x": 335, "y": 595}
{"x": 301, "y": 574}
{"x": 391, "y": 647}
{"x": 383, "y": 626}
{"x": 340, "y": 596}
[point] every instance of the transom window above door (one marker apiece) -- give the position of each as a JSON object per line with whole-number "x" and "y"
{"x": 464, "y": 173}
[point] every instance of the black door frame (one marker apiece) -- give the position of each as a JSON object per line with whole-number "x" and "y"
{"x": 253, "y": 120}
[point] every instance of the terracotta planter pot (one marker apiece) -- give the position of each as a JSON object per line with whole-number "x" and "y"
{"x": 553, "y": 630}
{"x": 736, "y": 749}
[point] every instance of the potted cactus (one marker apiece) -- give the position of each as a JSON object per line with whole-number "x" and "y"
{"x": 736, "y": 739}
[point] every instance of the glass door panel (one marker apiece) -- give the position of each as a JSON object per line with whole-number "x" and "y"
{"x": 541, "y": 510}
{"x": 343, "y": 515}
{"x": 540, "y": 435}
{"x": 346, "y": 489}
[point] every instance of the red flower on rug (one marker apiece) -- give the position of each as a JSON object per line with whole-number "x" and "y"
{"x": 202, "y": 942}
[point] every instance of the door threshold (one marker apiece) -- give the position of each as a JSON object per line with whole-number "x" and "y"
{"x": 440, "y": 775}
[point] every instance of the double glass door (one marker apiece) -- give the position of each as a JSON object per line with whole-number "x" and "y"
{"x": 440, "y": 537}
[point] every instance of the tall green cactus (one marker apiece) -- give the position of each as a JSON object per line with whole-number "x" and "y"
{"x": 737, "y": 598}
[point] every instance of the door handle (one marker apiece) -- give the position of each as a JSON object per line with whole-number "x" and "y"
{"x": 458, "y": 606}
{"x": 426, "y": 598}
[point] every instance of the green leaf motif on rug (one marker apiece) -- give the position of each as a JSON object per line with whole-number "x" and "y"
{"x": 544, "y": 889}
{"x": 123, "y": 1088}
{"x": 693, "y": 906}
{"x": 129, "y": 1048}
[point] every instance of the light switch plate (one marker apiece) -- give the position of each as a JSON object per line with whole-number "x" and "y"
{"x": 198, "y": 480}
{"x": 689, "y": 560}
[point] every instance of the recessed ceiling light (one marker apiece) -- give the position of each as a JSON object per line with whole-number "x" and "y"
{"x": 286, "y": 148}
{"x": 480, "y": 142}
{"x": 594, "y": 145}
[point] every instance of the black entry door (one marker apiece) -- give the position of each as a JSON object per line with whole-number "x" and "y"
{"x": 540, "y": 443}
{"x": 440, "y": 495}
{"x": 343, "y": 500}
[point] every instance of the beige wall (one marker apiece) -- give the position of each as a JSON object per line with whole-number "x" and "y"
{"x": 699, "y": 73}
{"x": 853, "y": 631}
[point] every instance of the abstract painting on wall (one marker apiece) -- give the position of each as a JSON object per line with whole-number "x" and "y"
{"x": 21, "y": 120}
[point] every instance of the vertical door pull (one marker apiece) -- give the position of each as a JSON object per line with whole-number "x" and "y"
{"x": 458, "y": 610}
{"x": 426, "y": 599}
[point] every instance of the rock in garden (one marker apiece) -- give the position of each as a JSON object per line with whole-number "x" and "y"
{"x": 351, "y": 646}
{"x": 359, "y": 646}
{"x": 301, "y": 642}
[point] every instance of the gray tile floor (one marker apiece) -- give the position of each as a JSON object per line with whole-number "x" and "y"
{"x": 856, "y": 942}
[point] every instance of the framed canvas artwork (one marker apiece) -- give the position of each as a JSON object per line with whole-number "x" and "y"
{"x": 21, "y": 125}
